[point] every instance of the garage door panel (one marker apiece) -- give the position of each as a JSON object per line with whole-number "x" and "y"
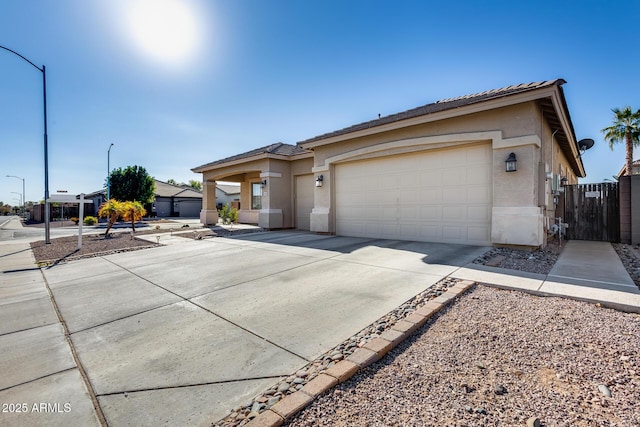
{"x": 478, "y": 194}
{"x": 429, "y": 178}
{"x": 479, "y": 234}
{"x": 440, "y": 195}
{"x": 454, "y": 234}
{"x": 481, "y": 214}
{"x": 431, "y": 196}
{"x": 478, "y": 175}
{"x": 410, "y": 213}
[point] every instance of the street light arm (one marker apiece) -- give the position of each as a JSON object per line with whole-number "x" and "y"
{"x": 16, "y": 53}
{"x": 43, "y": 70}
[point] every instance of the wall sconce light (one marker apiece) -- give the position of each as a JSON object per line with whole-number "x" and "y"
{"x": 510, "y": 163}
{"x": 563, "y": 181}
{"x": 263, "y": 183}
{"x": 319, "y": 180}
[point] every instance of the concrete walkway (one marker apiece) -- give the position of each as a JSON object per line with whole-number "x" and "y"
{"x": 180, "y": 334}
{"x": 585, "y": 270}
{"x": 39, "y": 370}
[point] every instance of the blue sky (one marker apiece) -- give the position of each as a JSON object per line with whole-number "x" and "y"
{"x": 225, "y": 76}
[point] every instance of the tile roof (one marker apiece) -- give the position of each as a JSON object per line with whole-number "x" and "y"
{"x": 229, "y": 189}
{"x": 442, "y": 105}
{"x": 279, "y": 148}
{"x": 164, "y": 189}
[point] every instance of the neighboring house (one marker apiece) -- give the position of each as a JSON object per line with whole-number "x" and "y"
{"x": 435, "y": 173}
{"x": 635, "y": 169}
{"x": 175, "y": 201}
{"x": 170, "y": 201}
{"x": 227, "y": 193}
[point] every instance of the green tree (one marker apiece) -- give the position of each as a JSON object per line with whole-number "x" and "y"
{"x": 133, "y": 211}
{"x": 132, "y": 183}
{"x": 625, "y": 127}
{"x": 112, "y": 210}
{"x": 195, "y": 184}
{"x": 172, "y": 181}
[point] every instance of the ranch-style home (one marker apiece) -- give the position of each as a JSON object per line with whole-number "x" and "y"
{"x": 480, "y": 169}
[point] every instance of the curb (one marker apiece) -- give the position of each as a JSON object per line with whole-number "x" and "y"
{"x": 371, "y": 352}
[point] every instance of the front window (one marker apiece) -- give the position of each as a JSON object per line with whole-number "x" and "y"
{"x": 256, "y": 196}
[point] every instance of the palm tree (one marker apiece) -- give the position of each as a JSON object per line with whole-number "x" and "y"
{"x": 133, "y": 211}
{"x": 111, "y": 209}
{"x": 625, "y": 127}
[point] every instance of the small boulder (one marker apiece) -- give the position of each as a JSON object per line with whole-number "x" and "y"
{"x": 533, "y": 422}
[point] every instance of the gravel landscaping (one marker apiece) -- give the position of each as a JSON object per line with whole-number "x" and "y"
{"x": 630, "y": 257}
{"x": 498, "y": 358}
{"x": 539, "y": 261}
{"x": 66, "y": 248}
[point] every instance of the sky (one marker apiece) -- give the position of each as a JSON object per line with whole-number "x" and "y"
{"x": 175, "y": 84}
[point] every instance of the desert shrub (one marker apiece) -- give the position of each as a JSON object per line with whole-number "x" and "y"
{"x": 89, "y": 220}
{"x": 228, "y": 215}
{"x": 74, "y": 219}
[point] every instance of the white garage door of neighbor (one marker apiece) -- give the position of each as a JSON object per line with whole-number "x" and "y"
{"x": 433, "y": 196}
{"x": 304, "y": 201}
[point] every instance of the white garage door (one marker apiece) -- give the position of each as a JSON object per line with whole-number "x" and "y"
{"x": 304, "y": 201}
{"x": 434, "y": 196}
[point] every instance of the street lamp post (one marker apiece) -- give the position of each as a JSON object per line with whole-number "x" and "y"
{"x": 24, "y": 196}
{"x": 109, "y": 173}
{"x": 19, "y": 194}
{"x": 43, "y": 70}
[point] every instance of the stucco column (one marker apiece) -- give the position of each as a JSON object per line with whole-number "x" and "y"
{"x": 321, "y": 212}
{"x": 270, "y": 215}
{"x": 516, "y": 218}
{"x": 209, "y": 213}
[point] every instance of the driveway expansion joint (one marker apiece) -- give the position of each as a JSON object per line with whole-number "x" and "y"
{"x": 85, "y": 378}
{"x": 343, "y": 370}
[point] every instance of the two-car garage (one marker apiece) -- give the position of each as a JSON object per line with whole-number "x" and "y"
{"x": 440, "y": 195}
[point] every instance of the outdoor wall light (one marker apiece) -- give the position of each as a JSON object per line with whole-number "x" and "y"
{"x": 263, "y": 183}
{"x": 510, "y": 163}
{"x": 319, "y": 180}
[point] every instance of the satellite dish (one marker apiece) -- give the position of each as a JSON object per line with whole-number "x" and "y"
{"x": 585, "y": 144}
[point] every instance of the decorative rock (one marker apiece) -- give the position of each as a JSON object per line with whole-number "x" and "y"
{"x": 604, "y": 390}
{"x": 500, "y": 390}
{"x": 468, "y": 408}
{"x": 302, "y": 373}
{"x": 533, "y": 422}
{"x": 256, "y": 407}
{"x": 283, "y": 387}
{"x": 273, "y": 401}
{"x": 481, "y": 411}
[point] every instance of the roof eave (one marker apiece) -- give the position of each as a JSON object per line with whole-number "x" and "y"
{"x": 261, "y": 156}
{"x": 471, "y": 108}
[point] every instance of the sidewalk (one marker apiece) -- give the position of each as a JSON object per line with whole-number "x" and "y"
{"x": 40, "y": 377}
{"x": 586, "y": 271}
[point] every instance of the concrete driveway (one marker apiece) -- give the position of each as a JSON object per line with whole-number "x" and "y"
{"x": 181, "y": 334}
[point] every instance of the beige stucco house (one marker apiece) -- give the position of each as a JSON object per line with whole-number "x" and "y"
{"x": 435, "y": 173}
